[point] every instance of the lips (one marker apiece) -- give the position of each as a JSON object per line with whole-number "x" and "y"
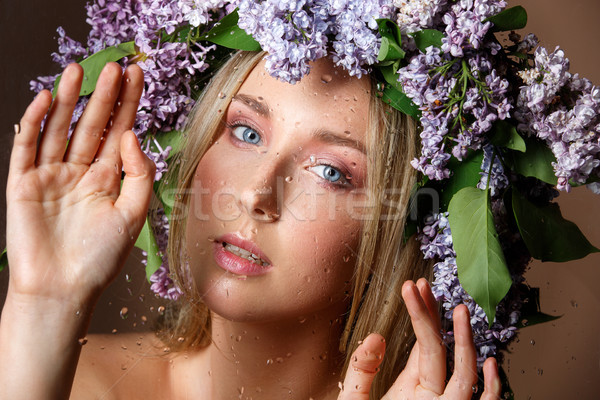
{"x": 236, "y": 264}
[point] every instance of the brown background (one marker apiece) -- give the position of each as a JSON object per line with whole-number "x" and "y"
{"x": 550, "y": 361}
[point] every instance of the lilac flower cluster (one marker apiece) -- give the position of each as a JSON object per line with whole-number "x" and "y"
{"x": 492, "y": 171}
{"x": 162, "y": 284}
{"x": 295, "y": 32}
{"x": 436, "y": 242}
{"x": 458, "y": 88}
{"x": 414, "y": 15}
{"x": 562, "y": 109}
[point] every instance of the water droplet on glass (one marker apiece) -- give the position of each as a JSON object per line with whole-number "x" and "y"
{"x": 17, "y": 129}
{"x": 120, "y": 230}
{"x": 288, "y": 179}
{"x": 326, "y": 78}
{"x": 82, "y": 341}
{"x": 312, "y": 159}
{"x": 574, "y": 304}
{"x": 144, "y": 319}
{"x": 124, "y": 312}
{"x": 269, "y": 361}
{"x": 532, "y": 342}
{"x": 114, "y": 331}
{"x": 181, "y": 339}
{"x": 161, "y": 310}
{"x": 222, "y": 95}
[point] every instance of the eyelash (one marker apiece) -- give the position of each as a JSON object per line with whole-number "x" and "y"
{"x": 345, "y": 180}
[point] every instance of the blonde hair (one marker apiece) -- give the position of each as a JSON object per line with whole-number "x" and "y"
{"x": 385, "y": 260}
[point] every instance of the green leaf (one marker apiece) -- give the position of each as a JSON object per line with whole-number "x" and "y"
{"x": 511, "y": 19}
{"x": 548, "y": 236}
{"x": 426, "y": 38}
{"x": 166, "y": 191}
{"x": 535, "y": 162}
{"x": 227, "y": 33}
{"x": 391, "y": 41}
{"x": 481, "y": 265}
{"x": 3, "y": 260}
{"x": 147, "y": 242}
{"x": 504, "y": 134}
{"x": 465, "y": 173}
{"x": 400, "y": 101}
{"x": 93, "y": 65}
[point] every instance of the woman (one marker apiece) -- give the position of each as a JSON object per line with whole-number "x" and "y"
{"x": 296, "y": 175}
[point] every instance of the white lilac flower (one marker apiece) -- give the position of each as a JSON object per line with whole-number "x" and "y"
{"x": 414, "y": 15}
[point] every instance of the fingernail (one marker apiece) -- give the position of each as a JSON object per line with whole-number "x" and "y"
{"x": 17, "y": 129}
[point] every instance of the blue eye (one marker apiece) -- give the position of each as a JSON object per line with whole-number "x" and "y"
{"x": 330, "y": 174}
{"x": 246, "y": 134}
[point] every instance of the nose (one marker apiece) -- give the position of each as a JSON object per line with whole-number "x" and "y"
{"x": 259, "y": 196}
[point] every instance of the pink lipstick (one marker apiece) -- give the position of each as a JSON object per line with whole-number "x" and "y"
{"x": 240, "y": 256}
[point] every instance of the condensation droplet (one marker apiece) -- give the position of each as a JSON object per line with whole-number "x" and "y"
{"x": 161, "y": 310}
{"x": 120, "y": 229}
{"x": 269, "y": 361}
{"x": 532, "y": 342}
{"x": 82, "y": 341}
{"x": 124, "y": 312}
{"x": 288, "y": 179}
{"x": 222, "y": 95}
{"x": 17, "y": 129}
{"x": 326, "y": 78}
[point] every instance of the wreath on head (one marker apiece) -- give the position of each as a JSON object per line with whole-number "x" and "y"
{"x": 504, "y": 124}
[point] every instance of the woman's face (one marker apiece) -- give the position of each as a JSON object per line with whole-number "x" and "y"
{"x": 285, "y": 180}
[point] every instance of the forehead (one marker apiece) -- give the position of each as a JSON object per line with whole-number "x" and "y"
{"x": 326, "y": 96}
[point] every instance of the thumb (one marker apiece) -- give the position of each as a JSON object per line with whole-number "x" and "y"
{"x": 363, "y": 367}
{"x": 135, "y": 193}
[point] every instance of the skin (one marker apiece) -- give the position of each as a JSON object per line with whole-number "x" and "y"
{"x": 55, "y": 196}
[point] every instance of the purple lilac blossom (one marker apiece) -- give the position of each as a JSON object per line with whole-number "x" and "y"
{"x": 162, "y": 283}
{"x": 563, "y": 110}
{"x": 293, "y": 33}
{"x": 436, "y": 243}
{"x": 457, "y": 88}
{"x": 498, "y": 179}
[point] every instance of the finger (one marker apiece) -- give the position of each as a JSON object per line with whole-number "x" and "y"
{"x": 56, "y": 129}
{"x": 464, "y": 376}
{"x": 125, "y": 111}
{"x": 432, "y": 353}
{"x": 430, "y": 302}
{"x": 407, "y": 381}
{"x": 137, "y": 185}
{"x": 491, "y": 380}
{"x": 363, "y": 368}
{"x": 90, "y": 128}
{"x": 27, "y": 131}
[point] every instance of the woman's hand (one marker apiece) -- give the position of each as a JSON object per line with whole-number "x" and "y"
{"x": 425, "y": 374}
{"x": 70, "y": 226}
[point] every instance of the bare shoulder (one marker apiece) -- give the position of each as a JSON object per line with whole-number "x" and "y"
{"x": 122, "y": 366}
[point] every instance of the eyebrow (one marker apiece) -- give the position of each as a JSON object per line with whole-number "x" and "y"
{"x": 323, "y": 135}
{"x": 257, "y": 104}
{"x": 330, "y": 137}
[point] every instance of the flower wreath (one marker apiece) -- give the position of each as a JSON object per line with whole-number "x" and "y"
{"x": 503, "y": 126}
